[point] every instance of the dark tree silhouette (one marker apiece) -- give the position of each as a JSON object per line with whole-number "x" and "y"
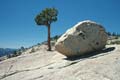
{"x": 46, "y": 17}
{"x": 109, "y": 34}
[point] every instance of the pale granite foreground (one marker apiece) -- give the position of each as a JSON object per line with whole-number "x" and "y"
{"x": 44, "y": 65}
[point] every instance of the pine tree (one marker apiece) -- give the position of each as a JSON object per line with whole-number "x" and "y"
{"x": 46, "y": 17}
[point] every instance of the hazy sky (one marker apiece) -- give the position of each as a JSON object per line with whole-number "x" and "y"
{"x": 18, "y": 28}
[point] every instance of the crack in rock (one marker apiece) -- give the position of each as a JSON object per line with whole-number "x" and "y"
{"x": 72, "y": 63}
{"x": 18, "y": 71}
{"x": 37, "y": 77}
{"x": 12, "y": 64}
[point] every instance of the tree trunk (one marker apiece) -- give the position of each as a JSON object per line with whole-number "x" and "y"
{"x": 49, "y": 44}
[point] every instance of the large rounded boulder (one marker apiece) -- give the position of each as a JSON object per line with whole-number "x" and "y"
{"x": 85, "y": 37}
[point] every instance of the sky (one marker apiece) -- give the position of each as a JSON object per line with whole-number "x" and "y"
{"x": 18, "y": 27}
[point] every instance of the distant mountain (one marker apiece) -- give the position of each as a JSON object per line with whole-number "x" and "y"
{"x": 6, "y": 51}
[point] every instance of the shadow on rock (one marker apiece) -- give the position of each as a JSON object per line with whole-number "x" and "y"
{"x": 92, "y": 54}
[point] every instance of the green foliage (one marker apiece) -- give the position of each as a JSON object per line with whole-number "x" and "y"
{"x": 22, "y": 48}
{"x": 109, "y": 34}
{"x": 32, "y": 50}
{"x": 15, "y": 54}
{"x": 115, "y": 42}
{"x": 47, "y": 16}
{"x": 55, "y": 37}
{"x": 38, "y": 43}
{"x": 114, "y": 34}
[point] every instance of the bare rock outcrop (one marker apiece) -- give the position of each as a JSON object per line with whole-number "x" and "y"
{"x": 84, "y": 37}
{"x": 46, "y": 65}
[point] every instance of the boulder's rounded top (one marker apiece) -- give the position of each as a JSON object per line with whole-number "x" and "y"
{"x": 87, "y": 21}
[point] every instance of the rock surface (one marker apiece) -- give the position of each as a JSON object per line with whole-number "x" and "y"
{"x": 84, "y": 37}
{"x": 44, "y": 65}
